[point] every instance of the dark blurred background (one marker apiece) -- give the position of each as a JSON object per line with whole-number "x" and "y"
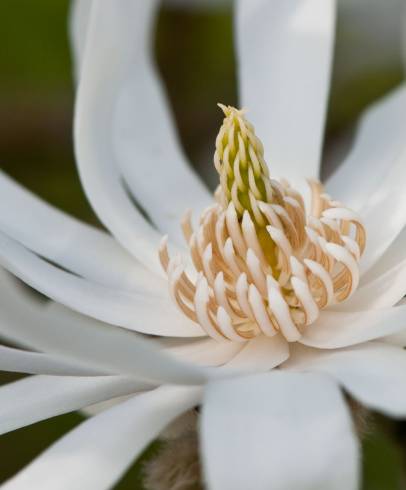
{"x": 194, "y": 50}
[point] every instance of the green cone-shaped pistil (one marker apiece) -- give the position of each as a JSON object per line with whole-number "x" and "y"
{"x": 244, "y": 177}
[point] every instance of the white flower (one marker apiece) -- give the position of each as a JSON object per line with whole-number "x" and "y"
{"x": 260, "y": 427}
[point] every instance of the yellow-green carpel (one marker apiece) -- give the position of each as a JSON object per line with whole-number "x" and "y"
{"x": 244, "y": 176}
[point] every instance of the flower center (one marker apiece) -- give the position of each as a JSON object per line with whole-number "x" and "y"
{"x": 264, "y": 261}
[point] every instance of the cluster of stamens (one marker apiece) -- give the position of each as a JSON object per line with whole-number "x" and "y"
{"x": 262, "y": 262}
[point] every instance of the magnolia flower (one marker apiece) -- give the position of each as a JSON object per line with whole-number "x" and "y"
{"x": 278, "y": 313}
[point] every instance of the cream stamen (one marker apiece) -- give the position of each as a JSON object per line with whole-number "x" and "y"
{"x": 264, "y": 264}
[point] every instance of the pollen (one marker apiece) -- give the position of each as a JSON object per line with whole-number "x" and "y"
{"x": 263, "y": 261}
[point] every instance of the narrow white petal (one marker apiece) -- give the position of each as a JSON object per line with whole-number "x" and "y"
{"x": 96, "y": 454}
{"x": 284, "y": 53}
{"x": 205, "y": 352}
{"x": 148, "y": 151}
{"x": 374, "y": 373}
{"x": 398, "y": 339}
{"x": 260, "y": 354}
{"x": 101, "y": 346}
{"x": 98, "y": 122}
{"x": 37, "y": 398}
{"x": 383, "y": 214}
{"x": 97, "y": 408}
{"x": 394, "y": 255}
{"x": 93, "y": 131}
{"x": 78, "y": 26}
{"x": 68, "y": 242}
{"x": 383, "y": 291}
{"x": 336, "y": 329}
{"x": 138, "y": 311}
{"x": 19, "y": 361}
{"x": 278, "y": 430}
{"x": 379, "y": 140}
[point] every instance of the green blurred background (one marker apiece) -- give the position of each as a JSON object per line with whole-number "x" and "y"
{"x": 36, "y": 98}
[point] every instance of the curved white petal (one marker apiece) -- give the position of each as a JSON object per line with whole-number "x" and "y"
{"x": 373, "y": 373}
{"x": 93, "y": 132}
{"x": 336, "y": 329}
{"x": 398, "y": 339}
{"x": 260, "y": 354}
{"x": 197, "y": 351}
{"x": 384, "y": 213}
{"x": 148, "y": 151}
{"x": 19, "y": 361}
{"x": 98, "y": 122}
{"x": 204, "y": 352}
{"x": 133, "y": 310}
{"x": 97, "y": 408}
{"x": 278, "y": 430}
{"x": 383, "y": 284}
{"x": 68, "y": 242}
{"x": 379, "y": 140}
{"x": 232, "y": 358}
{"x": 394, "y": 255}
{"x": 284, "y": 55}
{"x": 96, "y": 454}
{"x": 78, "y": 26}
{"x": 36, "y": 398}
{"x": 383, "y": 291}
{"x": 92, "y": 343}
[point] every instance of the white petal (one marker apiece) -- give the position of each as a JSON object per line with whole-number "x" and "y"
{"x": 260, "y": 354}
{"x": 92, "y": 343}
{"x": 284, "y": 52}
{"x": 205, "y": 352}
{"x": 336, "y": 329}
{"x": 36, "y": 398}
{"x": 384, "y": 284}
{"x": 19, "y": 361}
{"x": 148, "y": 151}
{"x": 373, "y": 373}
{"x": 383, "y": 214}
{"x": 278, "y": 430}
{"x": 68, "y": 242}
{"x": 97, "y": 408}
{"x": 78, "y": 26}
{"x": 95, "y": 155}
{"x": 98, "y": 156}
{"x": 394, "y": 255}
{"x": 398, "y": 339}
{"x": 96, "y": 453}
{"x": 379, "y": 139}
{"x": 135, "y": 311}
{"x": 383, "y": 291}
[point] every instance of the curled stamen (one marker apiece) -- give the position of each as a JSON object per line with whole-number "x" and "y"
{"x": 264, "y": 265}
